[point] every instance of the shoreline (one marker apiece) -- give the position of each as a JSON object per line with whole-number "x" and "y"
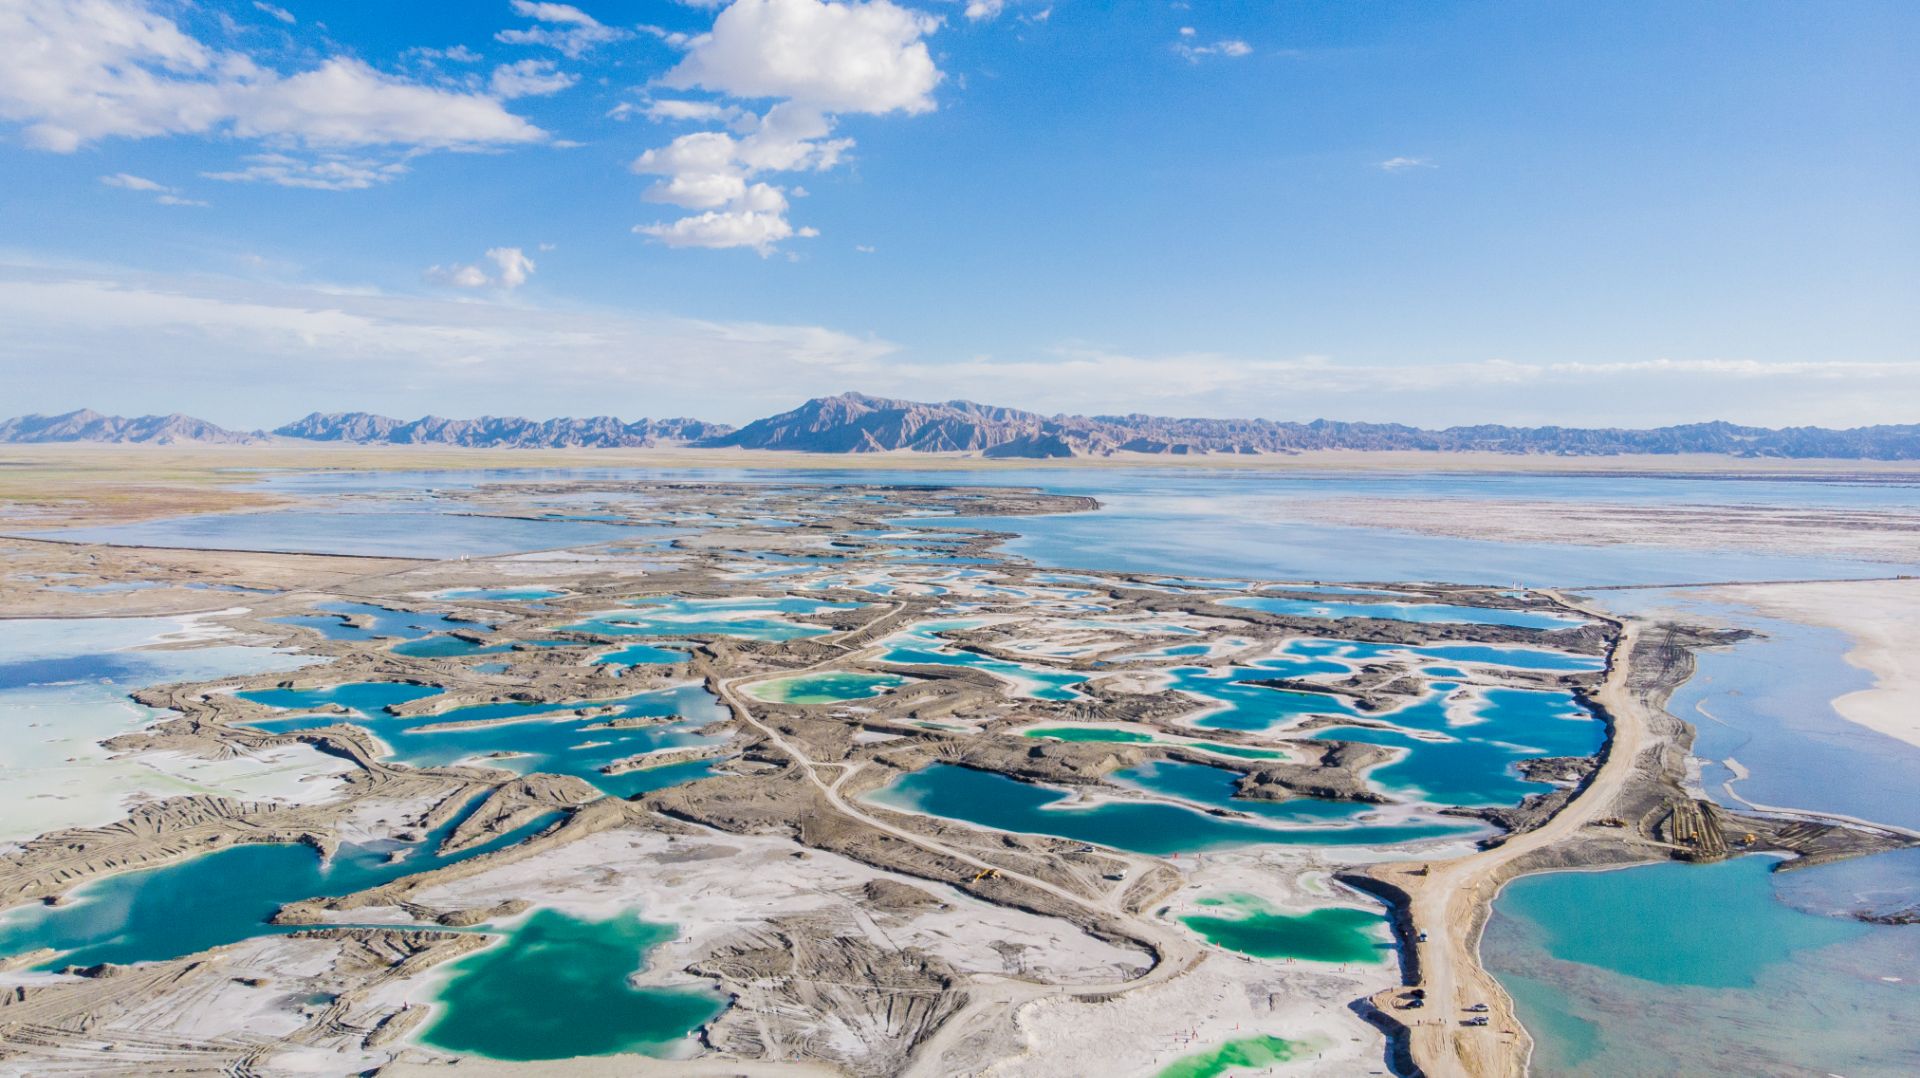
{"x": 1882, "y": 622}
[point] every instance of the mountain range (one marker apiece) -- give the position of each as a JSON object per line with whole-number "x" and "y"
{"x": 856, "y": 423}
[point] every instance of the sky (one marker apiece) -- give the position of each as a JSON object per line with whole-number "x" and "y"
{"x": 1534, "y": 211}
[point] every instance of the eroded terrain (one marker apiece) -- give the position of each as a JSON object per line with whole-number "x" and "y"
{"x": 853, "y": 790}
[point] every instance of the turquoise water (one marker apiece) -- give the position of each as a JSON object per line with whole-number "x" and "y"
{"x": 1700, "y": 969}
{"x": 559, "y": 987}
{"x": 923, "y": 647}
{"x": 446, "y": 647}
{"x": 1474, "y": 762}
{"x": 1152, "y": 827}
{"x": 1516, "y": 657}
{"x": 503, "y": 595}
{"x": 1243, "y": 706}
{"x": 383, "y": 622}
{"x": 833, "y": 687}
{"x": 1421, "y": 612}
{"x": 215, "y": 898}
{"x": 551, "y": 739}
{"x": 750, "y": 617}
{"x": 642, "y": 655}
{"x": 1714, "y": 926}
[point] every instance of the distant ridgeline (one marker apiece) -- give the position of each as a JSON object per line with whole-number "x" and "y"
{"x": 855, "y": 423}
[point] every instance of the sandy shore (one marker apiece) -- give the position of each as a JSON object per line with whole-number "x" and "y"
{"x": 1883, "y": 620}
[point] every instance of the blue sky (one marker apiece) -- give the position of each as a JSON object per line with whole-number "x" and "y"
{"x": 1426, "y": 212}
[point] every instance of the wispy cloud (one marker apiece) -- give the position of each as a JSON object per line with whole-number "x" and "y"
{"x": 162, "y": 194}
{"x": 1401, "y": 164}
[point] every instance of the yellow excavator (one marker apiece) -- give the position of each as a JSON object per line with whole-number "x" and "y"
{"x": 986, "y": 874}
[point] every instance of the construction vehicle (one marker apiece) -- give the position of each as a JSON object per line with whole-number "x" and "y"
{"x": 986, "y": 874}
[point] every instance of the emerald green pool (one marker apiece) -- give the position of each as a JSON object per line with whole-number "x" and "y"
{"x": 558, "y": 987}
{"x": 826, "y": 688}
{"x": 1250, "y": 925}
{"x": 1262, "y": 1051}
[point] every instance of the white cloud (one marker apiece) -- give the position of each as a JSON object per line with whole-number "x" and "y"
{"x": 78, "y": 71}
{"x": 292, "y": 349}
{"x": 846, "y": 57}
{"x": 1401, "y": 164}
{"x": 459, "y": 54}
{"x": 299, "y": 348}
{"x": 280, "y": 13}
{"x": 983, "y": 10}
{"x": 758, "y": 229}
{"x": 513, "y": 267}
{"x": 669, "y": 109}
{"x": 569, "y": 30}
{"x": 1229, "y": 47}
{"x": 529, "y": 78}
{"x": 816, "y": 59}
{"x": 163, "y": 194}
{"x": 133, "y": 183}
{"x": 327, "y": 172}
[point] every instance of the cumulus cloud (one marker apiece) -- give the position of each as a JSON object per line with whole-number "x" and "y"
{"x": 982, "y": 10}
{"x": 565, "y": 28}
{"x": 529, "y": 78}
{"x": 323, "y": 172}
{"x": 79, "y": 71}
{"x": 815, "y": 59}
{"x": 1401, "y": 164}
{"x": 849, "y": 57}
{"x": 512, "y": 268}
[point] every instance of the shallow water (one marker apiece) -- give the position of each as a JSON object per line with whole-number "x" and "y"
{"x": 395, "y": 532}
{"x": 1251, "y": 925}
{"x": 502, "y": 595}
{"x": 748, "y": 617}
{"x": 1233, "y": 1056}
{"x": 825, "y": 688}
{"x": 1419, "y": 612}
{"x": 1700, "y": 969}
{"x": 558, "y": 987}
{"x": 1767, "y": 702}
{"x": 216, "y": 898}
{"x": 1474, "y": 762}
{"x": 923, "y": 646}
{"x": 381, "y": 622}
{"x": 548, "y": 738}
{"x": 1152, "y": 827}
{"x": 64, "y": 685}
